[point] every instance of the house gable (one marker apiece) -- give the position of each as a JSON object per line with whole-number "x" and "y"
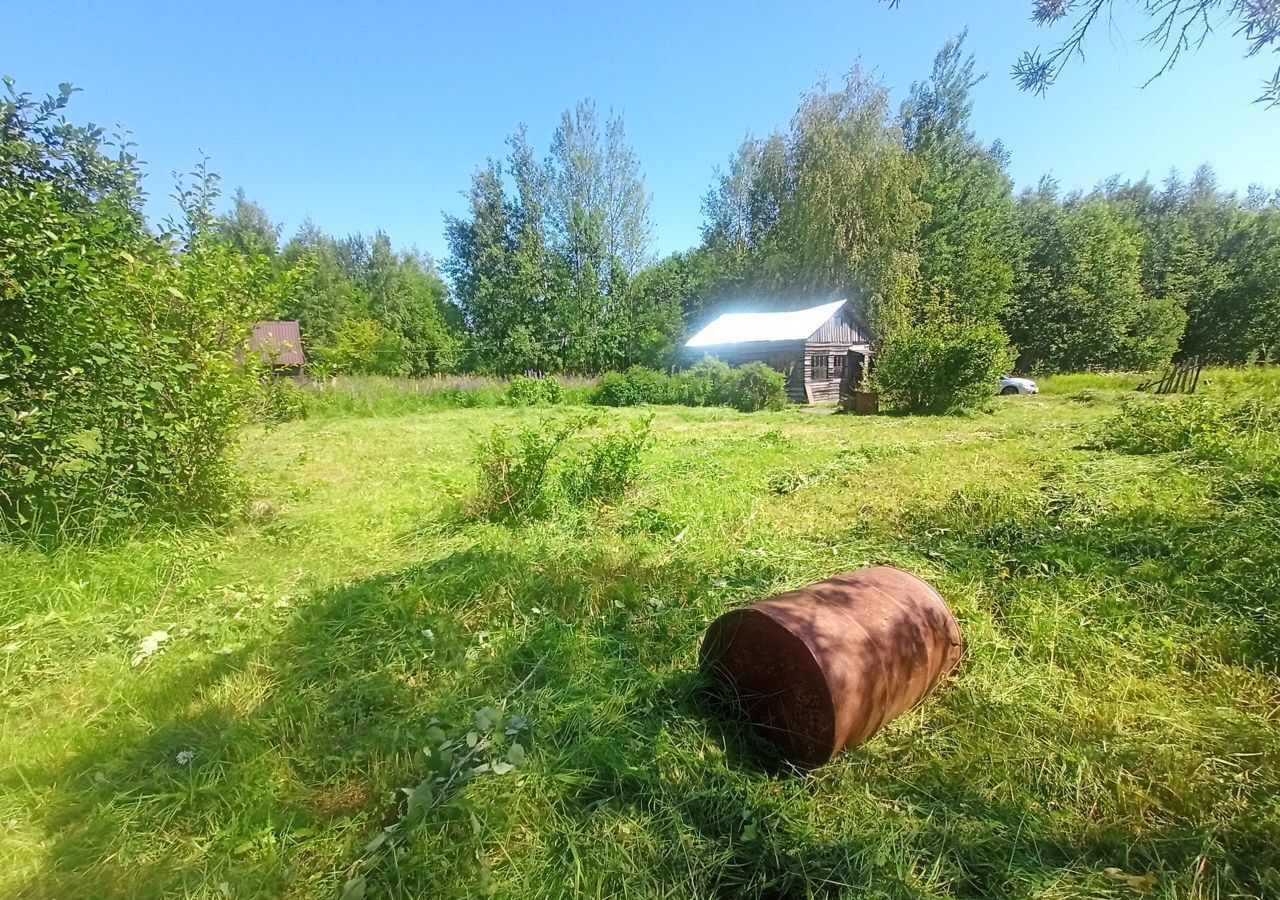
{"x": 843, "y": 326}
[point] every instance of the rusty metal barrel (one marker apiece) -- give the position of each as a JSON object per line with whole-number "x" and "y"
{"x": 822, "y": 668}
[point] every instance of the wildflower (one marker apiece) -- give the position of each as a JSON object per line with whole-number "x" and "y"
{"x": 185, "y": 756}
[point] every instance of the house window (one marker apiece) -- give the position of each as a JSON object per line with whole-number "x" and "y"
{"x": 837, "y": 366}
{"x": 821, "y": 368}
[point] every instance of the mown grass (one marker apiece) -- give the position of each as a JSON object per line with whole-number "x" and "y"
{"x": 1116, "y": 706}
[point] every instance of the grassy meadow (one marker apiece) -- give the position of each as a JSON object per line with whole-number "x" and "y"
{"x": 361, "y": 690}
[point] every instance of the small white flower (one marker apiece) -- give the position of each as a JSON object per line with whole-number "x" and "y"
{"x": 185, "y": 756}
{"x": 428, "y": 634}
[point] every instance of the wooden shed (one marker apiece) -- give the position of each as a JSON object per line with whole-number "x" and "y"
{"x": 279, "y": 345}
{"x": 824, "y": 351}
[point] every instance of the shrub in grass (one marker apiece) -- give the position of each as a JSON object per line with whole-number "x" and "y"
{"x": 939, "y": 368}
{"x": 607, "y": 467}
{"x": 513, "y": 473}
{"x": 280, "y": 400}
{"x": 120, "y": 386}
{"x": 755, "y": 386}
{"x": 614, "y": 390}
{"x": 526, "y": 391}
{"x": 708, "y": 383}
{"x": 637, "y": 386}
{"x": 521, "y": 478}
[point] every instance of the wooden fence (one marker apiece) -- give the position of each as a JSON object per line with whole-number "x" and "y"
{"x": 1181, "y": 378}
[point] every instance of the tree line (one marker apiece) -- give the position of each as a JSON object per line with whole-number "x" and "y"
{"x": 123, "y": 374}
{"x": 905, "y": 209}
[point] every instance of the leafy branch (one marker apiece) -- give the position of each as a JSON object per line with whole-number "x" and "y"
{"x": 1179, "y": 26}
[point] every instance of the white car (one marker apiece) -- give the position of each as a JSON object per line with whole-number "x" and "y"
{"x": 1011, "y": 385}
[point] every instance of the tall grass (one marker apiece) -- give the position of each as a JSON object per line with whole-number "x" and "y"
{"x": 1245, "y": 381}
{"x": 1252, "y": 382}
{"x": 375, "y": 395}
{"x": 1090, "y": 381}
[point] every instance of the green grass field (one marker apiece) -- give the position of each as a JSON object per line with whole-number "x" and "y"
{"x": 358, "y": 690}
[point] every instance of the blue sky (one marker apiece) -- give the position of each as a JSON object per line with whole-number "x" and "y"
{"x": 374, "y": 115}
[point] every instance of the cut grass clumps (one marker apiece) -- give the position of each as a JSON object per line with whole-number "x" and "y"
{"x": 1240, "y": 432}
{"x": 1236, "y": 437}
{"x": 1211, "y": 427}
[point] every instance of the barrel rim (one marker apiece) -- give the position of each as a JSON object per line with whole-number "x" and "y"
{"x": 829, "y": 740}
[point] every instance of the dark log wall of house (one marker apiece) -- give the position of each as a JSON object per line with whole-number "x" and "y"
{"x": 832, "y": 342}
{"x": 828, "y": 387}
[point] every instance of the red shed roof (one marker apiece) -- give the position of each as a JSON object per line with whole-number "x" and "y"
{"x": 278, "y": 343}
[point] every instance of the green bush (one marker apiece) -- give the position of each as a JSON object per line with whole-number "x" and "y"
{"x": 614, "y": 390}
{"x": 710, "y": 382}
{"x": 524, "y": 477}
{"x": 937, "y": 368}
{"x": 120, "y": 384}
{"x": 281, "y": 400}
{"x": 755, "y": 386}
{"x": 637, "y": 386}
{"x": 526, "y": 391}
{"x": 706, "y": 383}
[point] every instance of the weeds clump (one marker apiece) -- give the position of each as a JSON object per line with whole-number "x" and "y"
{"x": 607, "y": 466}
{"x": 1210, "y": 427}
{"x": 524, "y": 478}
{"x": 788, "y": 481}
{"x": 280, "y": 400}
{"x": 526, "y": 391}
{"x": 774, "y": 438}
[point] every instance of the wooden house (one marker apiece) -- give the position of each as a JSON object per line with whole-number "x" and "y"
{"x": 279, "y": 346}
{"x": 824, "y": 351}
